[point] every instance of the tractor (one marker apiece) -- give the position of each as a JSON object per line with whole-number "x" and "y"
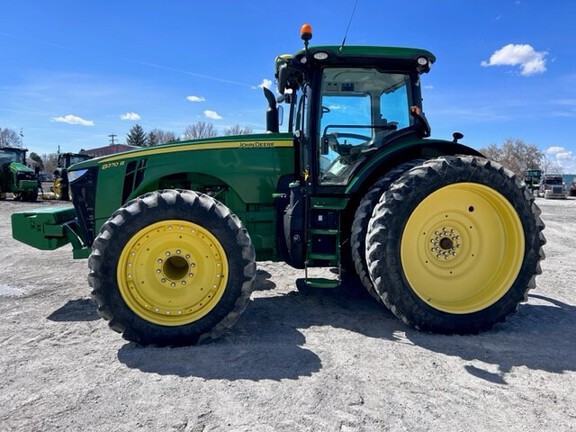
{"x": 16, "y": 176}
{"x": 446, "y": 239}
{"x": 60, "y": 187}
{"x": 532, "y": 178}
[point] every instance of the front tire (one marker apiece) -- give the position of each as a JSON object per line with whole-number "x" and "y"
{"x": 172, "y": 267}
{"x": 454, "y": 245}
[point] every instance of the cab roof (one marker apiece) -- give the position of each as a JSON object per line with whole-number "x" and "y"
{"x": 372, "y": 52}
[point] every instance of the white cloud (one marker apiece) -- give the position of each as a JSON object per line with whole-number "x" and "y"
{"x": 554, "y": 150}
{"x": 73, "y": 120}
{"x": 563, "y": 159}
{"x": 130, "y": 116}
{"x": 212, "y": 115}
{"x": 564, "y": 155}
{"x": 531, "y": 62}
{"x": 196, "y": 98}
{"x": 265, "y": 83}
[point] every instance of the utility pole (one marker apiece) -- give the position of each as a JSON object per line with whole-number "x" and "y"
{"x": 112, "y": 136}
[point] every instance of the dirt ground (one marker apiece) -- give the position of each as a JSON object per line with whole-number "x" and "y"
{"x": 330, "y": 361}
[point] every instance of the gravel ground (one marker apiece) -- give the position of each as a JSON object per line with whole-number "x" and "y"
{"x": 331, "y": 361}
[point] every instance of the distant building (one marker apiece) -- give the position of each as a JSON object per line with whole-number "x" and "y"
{"x": 108, "y": 150}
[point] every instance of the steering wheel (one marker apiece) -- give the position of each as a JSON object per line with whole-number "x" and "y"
{"x": 352, "y": 136}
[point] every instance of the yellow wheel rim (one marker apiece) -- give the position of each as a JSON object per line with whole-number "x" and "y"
{"x": 57, "y": 188}
{"x": 462, "y": 248}
{"x": 172, "y": 272}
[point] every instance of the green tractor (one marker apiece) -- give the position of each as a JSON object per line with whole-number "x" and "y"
{"x": 16, "y": 176}
{"x": 447, "y": 240}
{"x": 61, "y": 186}
{"x": 532, "y": 178}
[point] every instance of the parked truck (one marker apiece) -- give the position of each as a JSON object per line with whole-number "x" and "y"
{"x": 447, "y": 240}
{"x": 15, "y": 176}
{"x": 553, "y": 186}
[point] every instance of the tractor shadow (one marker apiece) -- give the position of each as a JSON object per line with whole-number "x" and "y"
{"x": 267, "y": 342}
{"x": 75, "y": 310}
{"x": 540, "y": 336}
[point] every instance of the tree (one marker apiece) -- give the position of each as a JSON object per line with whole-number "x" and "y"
{"x": 35, "y": 157}
{"x": 515, "y": 155}
{"x": 50, "y": 162}
{"x": 159, "y": 136}
{"x": 200, "y": 130}
{"x": 550, "y": 166}
{"x": 10, "y": 138}
{"x": 136, "y": 136}
{"x": 238, "y": 130}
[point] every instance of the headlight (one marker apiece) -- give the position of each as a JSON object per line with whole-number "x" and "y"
{"x": 75, "y": 175}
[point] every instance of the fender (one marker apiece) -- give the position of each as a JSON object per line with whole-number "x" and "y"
{"x": 393, "y": 155}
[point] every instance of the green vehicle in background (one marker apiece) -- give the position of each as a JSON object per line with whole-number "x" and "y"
{"x": 15, "y": 176}
{"x": 532, "y": 178}
{"x": 61, "y": 185}
{"x": 449, "y": 241}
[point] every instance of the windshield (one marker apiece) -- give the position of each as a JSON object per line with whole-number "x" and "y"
{"x": 361, "y": 108}
{"x": 74, "y": 159}
{"x": 553, "y": 180}
{"x": 8, "y": 156}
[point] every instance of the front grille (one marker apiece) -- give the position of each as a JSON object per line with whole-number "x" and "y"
{"x": 25, "y": 175}
{"x": 557, "y": 189}
{"x": 84, "y": 199}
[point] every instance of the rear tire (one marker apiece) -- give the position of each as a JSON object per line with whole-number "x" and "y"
{"x": 362, "y": 218}
{"x": 172, "y": 267}
{"x": 454, "y": 245}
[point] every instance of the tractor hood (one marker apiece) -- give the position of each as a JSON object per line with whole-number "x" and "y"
{"x": 218, "y": 143}
{"x": 16, "y": 167}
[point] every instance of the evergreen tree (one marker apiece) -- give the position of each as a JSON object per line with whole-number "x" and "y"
{"x": 37, "y": 160}
{"x": 136, "y": 136}
{"x": 152, "y": 139}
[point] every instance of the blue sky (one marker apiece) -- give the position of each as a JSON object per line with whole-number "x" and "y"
{"x": 75, "y": 72}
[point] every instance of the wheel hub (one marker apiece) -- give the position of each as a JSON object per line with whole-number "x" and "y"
{"x": 446, "y": 243}
{"x": 174, "y": 267}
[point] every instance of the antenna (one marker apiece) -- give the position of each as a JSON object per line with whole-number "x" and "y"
{"x": 348, "y": 28}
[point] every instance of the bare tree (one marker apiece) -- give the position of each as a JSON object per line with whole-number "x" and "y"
{"x": 550, "y": 166}
{"x": 159, "y": 136}
{"x": 238, "y": 130}
{"x": 515, "y": 155}
{"x": 10, "y": 138}
{"x": 200, "y": 130}
{"x": 50, "y": 162}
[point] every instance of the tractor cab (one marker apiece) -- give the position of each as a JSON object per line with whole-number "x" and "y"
{"x": 16, "y": 176}
{"x": 347, "y": 106}
{"x": 67, "y": 159}
{"x": 60, "y": 186}
{"x": 348, "y": 102}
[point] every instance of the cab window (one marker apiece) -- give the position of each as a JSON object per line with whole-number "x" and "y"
{"x": 360, "y": 109}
